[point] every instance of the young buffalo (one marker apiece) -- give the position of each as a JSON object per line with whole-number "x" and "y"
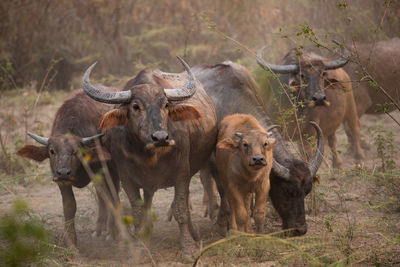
{"x": 244, "y": 160}
{"x": 76, "y": 119}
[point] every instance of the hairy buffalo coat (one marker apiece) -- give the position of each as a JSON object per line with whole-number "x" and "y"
{"x": 160, "y": 138}
{"x": 75, "y": 127}
{"x": 380, "y": 61}
{"x": 320, "y": 90}
{"x": 234, "y": 91}
{"x": 244, "y": 161}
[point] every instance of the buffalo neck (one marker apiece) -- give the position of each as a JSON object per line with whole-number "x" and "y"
{"x": 243, "y": 169}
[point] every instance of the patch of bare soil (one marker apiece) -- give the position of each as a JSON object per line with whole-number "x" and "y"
{"x": 343, "y": 209}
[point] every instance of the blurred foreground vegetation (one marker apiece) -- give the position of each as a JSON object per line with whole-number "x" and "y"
{"x": 23, "y": 239}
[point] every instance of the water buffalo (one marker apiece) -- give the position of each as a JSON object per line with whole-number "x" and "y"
{"x": 233, "y": 90}
{"x": 244, "y": 161}
{"x": 321, "y": 91}
{"x": 75, "y": 127}
{"x": 160, "y": 138}
{"x": 380, "y": 60}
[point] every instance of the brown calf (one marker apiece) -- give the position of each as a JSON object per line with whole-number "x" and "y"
{"x": 244, "y": 161}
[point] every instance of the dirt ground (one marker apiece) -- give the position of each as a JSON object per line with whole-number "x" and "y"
{"x": 343, "y": 210}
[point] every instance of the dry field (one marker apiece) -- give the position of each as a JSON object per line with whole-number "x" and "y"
{"x": 353, "y": 215}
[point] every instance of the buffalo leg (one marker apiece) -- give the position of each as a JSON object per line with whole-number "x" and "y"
{"x": 113, "y": 194}
{"x": 132, "y": 190}
{"x": 259, "y": 206}
{"x": 102, "y": 214}
{"x": 249, "y": 204}
{"x": 356, "y": 142}
{"x": 237, "y": 204}
{"x": 352, "y": 123}
{"x": 363, "y": 143}
{"x": 69, "y": 207}
{"x": 223, "y": 215}
{"x": 182, "y": 216}
{"x": 210, "y": 203}
{"x": 145, "y": 224}
{"x": 171, "y": 208}
{"x": 241, "y": 215}
{"x": 336, "y": 161}
{"x": 107, "y": 191}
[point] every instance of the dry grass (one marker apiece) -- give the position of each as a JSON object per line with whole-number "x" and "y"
{"x": 350, "y": 214}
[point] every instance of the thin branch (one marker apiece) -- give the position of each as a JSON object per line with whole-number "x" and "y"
{"x": 9, "y": 77}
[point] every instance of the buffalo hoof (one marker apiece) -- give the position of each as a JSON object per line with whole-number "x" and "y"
{"x": 210, "y": 211}
{"x": 364, "y": 144}
{"x": 337, "y": 165}
{"x": 99, "y": 234}
{"x": 70, "y": 241}
{"x": 194, "y": 232}
{"x": 110, "y": 237}
{"x": 187, "y": 253}
{"x": 222, "y": 230}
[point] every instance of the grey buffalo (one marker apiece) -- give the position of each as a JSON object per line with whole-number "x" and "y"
{"x": 161, "y": 133}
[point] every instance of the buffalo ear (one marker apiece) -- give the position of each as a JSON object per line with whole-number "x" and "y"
{"x": 184, "y": 112}
{"x": 227, "y": 144}
{"x": 271, "y": 141}
{"x": 38, "y": 153}
{"x": 334, "y": 78}
{"x": 113, "y": 118}
{"x": 97, "y": 154}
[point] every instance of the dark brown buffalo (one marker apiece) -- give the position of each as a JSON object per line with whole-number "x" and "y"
{"x": 321, "y": 91}
{"x": 160, "y": 138}
{"x": 233, "y": 90}
{"x": 75, "y": 127}
{"x": 380, "y": 60}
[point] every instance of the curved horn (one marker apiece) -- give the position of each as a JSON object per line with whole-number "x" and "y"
{"x": 282, "y": 69}
{"x": 319, "y": 153}
{"x": 281, "y": 170}
{"x": 100, "y": 95}
{"x": 39, "y": 139}
{"x": 87, "y": 140}
{"x": 186, "y": 92}
{"x": 341, "y": 61}
{"x": 239, "y": 134}
{"x": 270, "y": 128}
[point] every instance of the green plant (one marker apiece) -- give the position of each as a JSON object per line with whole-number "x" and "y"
{"x": 6, "y": 75}
{"x": 384, "y": 141}
{"x": 23, "y": 239}
{"x": 9, "y": 162}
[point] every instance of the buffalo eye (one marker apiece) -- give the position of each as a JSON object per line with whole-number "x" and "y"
{"x": 302, "y": 76}
{"x": 52, "y": 152}
{"x": 136, "y": 107}
{"x": 265, "y": 144}
{"x": 166, "y": 105}
{"x": 245, "y": 145}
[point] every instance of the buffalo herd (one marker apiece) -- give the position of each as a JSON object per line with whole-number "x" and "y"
{"x": 162, "y": 128}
